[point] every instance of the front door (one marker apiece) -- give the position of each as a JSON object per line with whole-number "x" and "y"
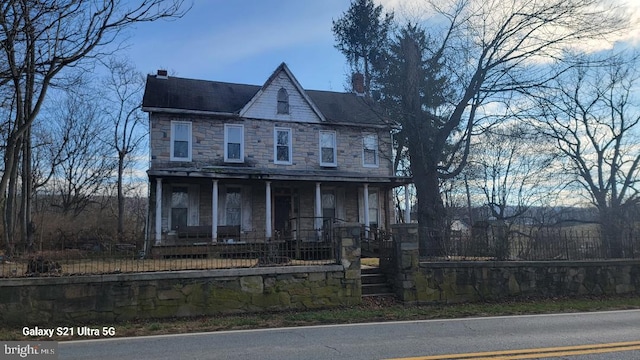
{"x": 282, "y": 214}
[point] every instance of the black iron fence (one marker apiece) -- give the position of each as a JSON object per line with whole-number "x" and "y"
{"x": 195, "y": 256}
{"x": 538, "y": 244}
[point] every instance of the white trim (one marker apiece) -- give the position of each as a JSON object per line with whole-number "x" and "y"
{"x": 289, "y": 143}
{"x": 189, "y": 141}
{"x": 335, "y": 148}
{"x": 376, "y": 161}
{"x": 226, "y": 142}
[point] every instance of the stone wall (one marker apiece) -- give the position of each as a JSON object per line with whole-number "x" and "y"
{"x": 117, "y": 297}
{"x": 111, "y": 298}
{"x": 453, "y": 281}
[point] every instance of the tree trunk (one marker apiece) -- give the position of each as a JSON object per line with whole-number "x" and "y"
{"x": 121, "y": 198}
{"x": 611, "y": 225}
{"x": 431, "y": 211}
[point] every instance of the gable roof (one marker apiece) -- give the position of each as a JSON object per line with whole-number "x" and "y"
{"x": 182, "y": 95}
{"x": 284, "y": 69}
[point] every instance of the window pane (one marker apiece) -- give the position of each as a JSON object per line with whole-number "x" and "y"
{"x": 282, "y": 153}
{"x": 370, "y": 157}
{"x": 181, "y": 132}
{"x": 283, "y": 137}
{"x": 327, "y": 155}
{"x": 233, "y": 151}
{"x": 370, "y": 142}
{"x": 181, "y": 149}
{"x": 327, "y": 140}
{"x": 234, "y": 135}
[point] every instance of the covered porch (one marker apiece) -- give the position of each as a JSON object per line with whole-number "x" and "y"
{"x": 214, "y": 208}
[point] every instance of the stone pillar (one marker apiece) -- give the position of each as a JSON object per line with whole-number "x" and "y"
{"x": 158, "y": 214}
{"x": 214, "y": 212}
{"x": 347, "y": 238}
{"x": 268, "y": 222}
{"x": 407, "y": 205}
{"x": 407, "y": 258}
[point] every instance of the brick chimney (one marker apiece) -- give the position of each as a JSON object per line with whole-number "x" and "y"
{"x": 162, "y": 74}
{"x": 357, "y": 83}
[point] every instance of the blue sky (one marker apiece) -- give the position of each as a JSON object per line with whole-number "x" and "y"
{"x": 243, "y": 41}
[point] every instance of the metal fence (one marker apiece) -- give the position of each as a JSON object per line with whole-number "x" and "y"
{"x": 170, "y": 258}
{"x": 541, "y": 244}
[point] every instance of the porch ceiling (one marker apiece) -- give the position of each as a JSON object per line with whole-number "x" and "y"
{"x": 330, "y": 175}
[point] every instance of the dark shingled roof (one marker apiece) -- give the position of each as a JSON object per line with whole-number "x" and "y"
{"x": 219, "y": 97}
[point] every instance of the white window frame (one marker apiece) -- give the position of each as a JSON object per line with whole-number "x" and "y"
{"x": 376, "y": 161}
{"x": 226, "y": 143}
{"x": 335, "y": 148}
{"x": 289, "y": 145}
{"x": 173, "y": 139}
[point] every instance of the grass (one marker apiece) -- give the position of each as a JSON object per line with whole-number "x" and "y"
{"x": 371, "y": 310}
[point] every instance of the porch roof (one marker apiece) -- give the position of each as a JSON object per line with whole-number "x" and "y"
{"x": 225, "y": 172}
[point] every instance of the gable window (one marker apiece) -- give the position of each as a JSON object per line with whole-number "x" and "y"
{"x": 233, "y": 143}
{"x": 283, "y": 101}
{"x": 370, "y": 151}
{"x": 328, "y": 148}
{"x": 282, "y": 146}
{"x": 180, "y": 141}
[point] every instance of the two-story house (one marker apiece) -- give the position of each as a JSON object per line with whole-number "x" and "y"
{"x": 260, "y": 163}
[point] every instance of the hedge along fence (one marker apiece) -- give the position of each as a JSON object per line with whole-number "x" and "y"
{"x": 118, "y": 297}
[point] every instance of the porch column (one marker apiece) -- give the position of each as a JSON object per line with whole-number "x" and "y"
{"x": 267, "y": 225}
{"x": 214, "y": 212}
{"x": 366, "y": 210}
{"x": 158, "y": 211}
{"x": 407, "y": 205}
{"x": 318, "y": 212}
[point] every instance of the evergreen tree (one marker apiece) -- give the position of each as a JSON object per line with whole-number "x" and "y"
{"x": 360, "y": 34}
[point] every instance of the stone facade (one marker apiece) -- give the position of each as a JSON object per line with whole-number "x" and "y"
{"x": 208, "y": 144}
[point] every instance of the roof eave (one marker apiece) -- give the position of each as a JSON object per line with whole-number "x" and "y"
{"x": 153, "y": 109}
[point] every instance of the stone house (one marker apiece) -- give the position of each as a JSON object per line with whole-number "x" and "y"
{"x": 235, "y": 162}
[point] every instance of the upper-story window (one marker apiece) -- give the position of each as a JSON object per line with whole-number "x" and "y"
{"x": 233, "y": 143}
{"x": 370, "y": 150}
{"x": 282, "y": 146}
{"x": 180, "y": 141}
{"x": 328, "y": 150}
{"x": 283, "y": 101}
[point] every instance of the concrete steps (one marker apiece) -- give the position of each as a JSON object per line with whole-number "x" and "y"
{"x": 374, "y": 283}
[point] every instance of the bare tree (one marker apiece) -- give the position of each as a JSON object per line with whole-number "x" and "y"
{"x": 592, "y": 116}
{"x": 38, "y": 39}
{"x": 510, "y": 177}
{"x": 86, "y": 163}
{"x": 487, "y": 50}
{"x": 123, "y": 87}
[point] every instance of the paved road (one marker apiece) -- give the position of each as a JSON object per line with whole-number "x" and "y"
{"x": 393, "y": 340}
